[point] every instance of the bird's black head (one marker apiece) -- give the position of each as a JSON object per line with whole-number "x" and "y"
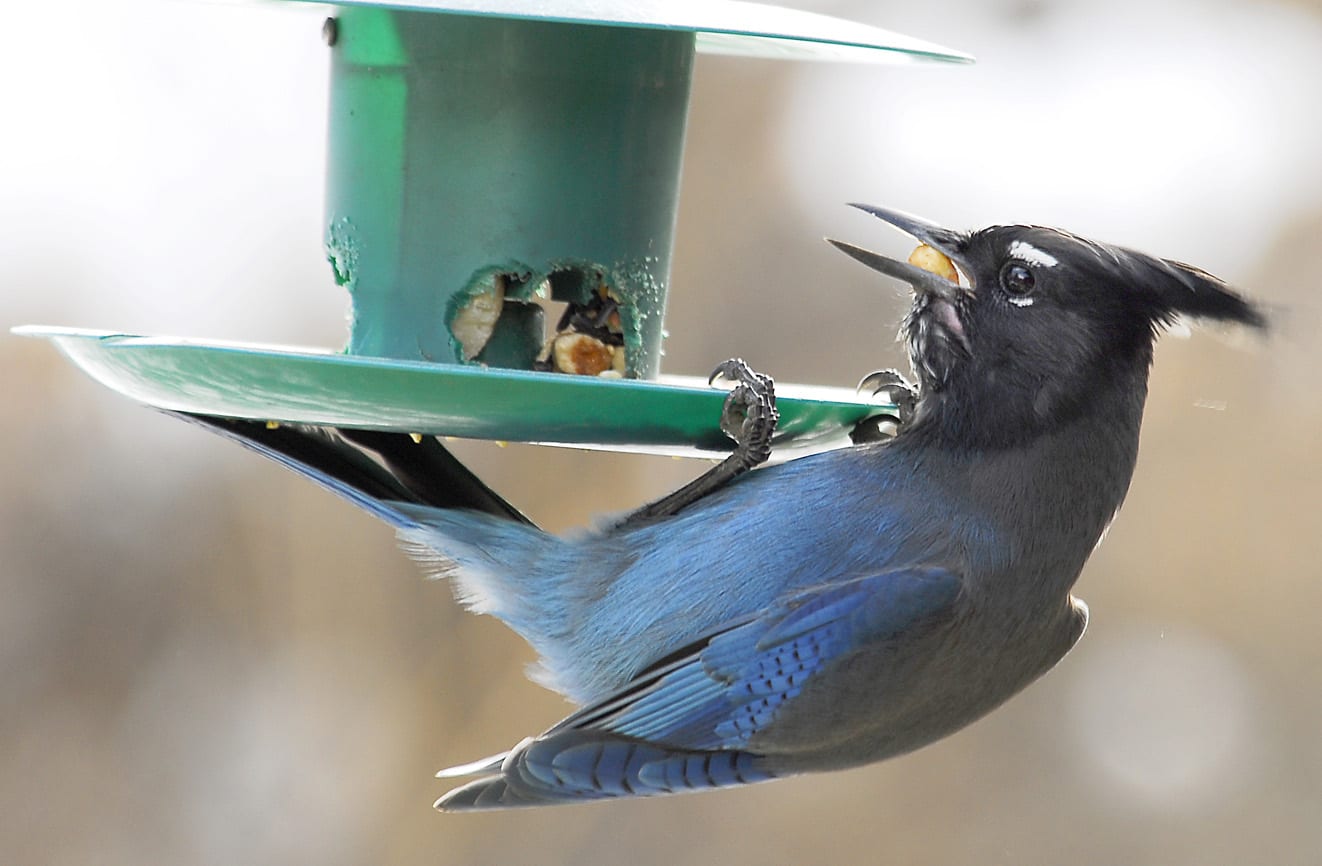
{"x": 1049, "y": 325}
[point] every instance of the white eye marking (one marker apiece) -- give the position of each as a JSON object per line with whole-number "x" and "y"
{"x": 1020, "y": 301}
{"x": 1032, "y": 255}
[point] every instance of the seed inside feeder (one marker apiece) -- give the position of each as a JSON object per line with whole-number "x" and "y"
{"x": 589, "y": 339}
{"x": 473, "y": 324}
{"x": 581, "y": 354}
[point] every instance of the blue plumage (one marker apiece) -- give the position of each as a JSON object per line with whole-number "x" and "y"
{"x": 833, "y": 610}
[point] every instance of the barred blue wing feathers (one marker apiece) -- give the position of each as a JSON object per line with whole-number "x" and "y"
{"x": 691, "y": 721}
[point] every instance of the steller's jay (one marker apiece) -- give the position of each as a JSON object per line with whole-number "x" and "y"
{"x": 832, "y": 610}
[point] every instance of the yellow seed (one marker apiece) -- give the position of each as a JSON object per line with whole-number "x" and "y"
{"x": 475, "y": 321}
{"x": 934, "y": 261}
{"x": 581, "y": 354}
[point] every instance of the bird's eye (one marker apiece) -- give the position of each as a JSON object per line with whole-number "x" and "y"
{"x": 1017, "y": 279}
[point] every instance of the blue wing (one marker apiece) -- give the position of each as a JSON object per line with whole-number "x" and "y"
{"x": 688, "y": 721}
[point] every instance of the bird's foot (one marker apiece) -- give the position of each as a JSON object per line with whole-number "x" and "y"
{"x": 749, "y": 417}
{"x": 897, "y": 390}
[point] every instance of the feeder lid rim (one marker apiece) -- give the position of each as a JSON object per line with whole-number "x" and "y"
{"x": 731, "y": 27}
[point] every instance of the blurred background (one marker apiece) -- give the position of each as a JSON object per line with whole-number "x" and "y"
{"x": 206, "y": 660}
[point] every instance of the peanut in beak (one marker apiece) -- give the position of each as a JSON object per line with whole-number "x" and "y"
{"x": 934, "y": 261}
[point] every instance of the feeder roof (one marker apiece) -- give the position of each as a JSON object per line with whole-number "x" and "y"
{"x": 722, "y": 26}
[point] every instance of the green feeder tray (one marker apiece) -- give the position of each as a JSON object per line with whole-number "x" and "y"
{"x": 484, "y": 156}
{"x": 673, "y": 415}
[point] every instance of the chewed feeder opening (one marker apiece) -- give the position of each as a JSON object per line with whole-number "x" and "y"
{"x": 603, "y": 325}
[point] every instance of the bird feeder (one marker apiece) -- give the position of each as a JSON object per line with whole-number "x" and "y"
{"x": 483, "y": 155}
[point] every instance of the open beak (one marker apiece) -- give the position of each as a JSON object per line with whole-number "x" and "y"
{"x": 946, "y": 241}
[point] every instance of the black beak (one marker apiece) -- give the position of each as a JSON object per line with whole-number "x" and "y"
{"x": 945, "y": 240}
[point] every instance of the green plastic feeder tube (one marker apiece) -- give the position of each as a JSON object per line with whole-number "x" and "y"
{"x": 471, "y": 156}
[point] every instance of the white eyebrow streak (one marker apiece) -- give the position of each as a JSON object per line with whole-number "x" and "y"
{"x": 1032, "y": 255}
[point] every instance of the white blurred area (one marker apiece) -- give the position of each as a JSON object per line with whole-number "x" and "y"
{"x": 1185, "y": 126}
{"x": 206, "y": 660}
{"x": 1170, "y": 722}
{"x": 164, "y": 165}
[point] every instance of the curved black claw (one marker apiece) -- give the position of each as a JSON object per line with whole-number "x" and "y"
{"x": 749, "y": 417}
{"x": 899, "y": 391}
{"x": 896, "y": 388}
{"x": 875, "y": 428}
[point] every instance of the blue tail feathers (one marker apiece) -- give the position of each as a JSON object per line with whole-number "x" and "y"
{"x": 581, "y": 765}
{"x": 455, "y": 525}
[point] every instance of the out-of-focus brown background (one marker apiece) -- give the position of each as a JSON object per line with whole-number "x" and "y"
{"x": 204, "y": 659}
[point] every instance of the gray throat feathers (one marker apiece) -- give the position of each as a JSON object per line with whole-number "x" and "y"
{"x": 1062, "y": 486}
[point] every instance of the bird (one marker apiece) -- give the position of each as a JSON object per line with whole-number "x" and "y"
{"x": 832, "y": 610}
